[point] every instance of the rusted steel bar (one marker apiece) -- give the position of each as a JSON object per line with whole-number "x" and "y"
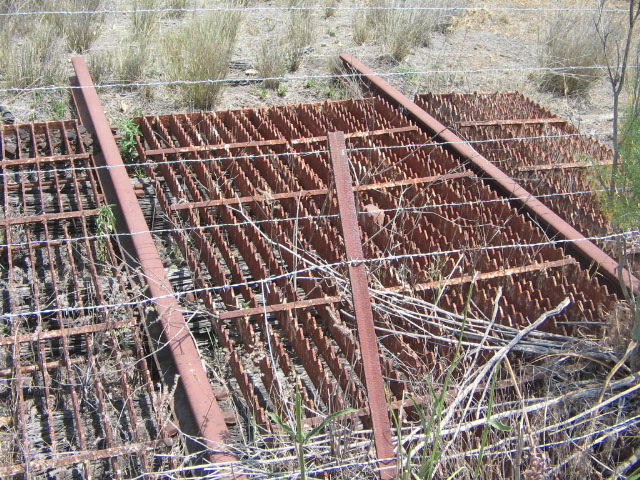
{"x": 85, "y": 456}
{"x": 265, "y": 143}
{"x": 207, "y": 418}
{"x": 362, "y": 306}
{"x": 527, "y": 121}
{"x": 586, "y": 249}
{"x": 321, "y": 191}
{"x": 561, "y": 166}
{"x": 282, "y": 307}
{"x": 448, "y": 282}
{"x": 49, "y": 159}
{"x": 47, "y": 217}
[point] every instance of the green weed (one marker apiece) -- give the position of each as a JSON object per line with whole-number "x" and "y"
{"x": 129, "y": 132}
{"x": 297, "y": 434}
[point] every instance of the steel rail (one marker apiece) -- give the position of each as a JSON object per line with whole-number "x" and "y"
{"x": 207, "y": 420}
{"x": 585, "y": 249}
{"x": 362, "y": 306}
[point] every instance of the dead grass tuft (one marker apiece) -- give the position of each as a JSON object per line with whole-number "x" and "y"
{"x": 81, "y": 30}
{"x": 200, "y": 51}
{"x": 144, "y": 20}
{"x": 35, "y": 59}
{"x": 400, "y": 25}
{"x": 571, "y": 47}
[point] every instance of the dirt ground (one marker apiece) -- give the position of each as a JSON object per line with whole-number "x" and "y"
{"x": 492, "y": 47}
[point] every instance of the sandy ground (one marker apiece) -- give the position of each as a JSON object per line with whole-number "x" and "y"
{"x": 494, "y": 47}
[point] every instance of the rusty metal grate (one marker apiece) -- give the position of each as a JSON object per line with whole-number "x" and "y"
{"x": 544, "y": 152}
{"x": 252, "y": 202}
{"x": 77, "y": 395}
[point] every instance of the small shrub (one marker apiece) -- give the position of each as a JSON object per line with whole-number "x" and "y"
{"x": 79, "y": 30}
{"x": 201, "y": 51}
{"x": 400, "y": 25}
{"x": 624, "y": 204}
{"x": 570, "y": 45}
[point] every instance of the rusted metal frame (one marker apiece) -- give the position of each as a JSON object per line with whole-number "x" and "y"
{"x": 48, "y": 365}
{"x": 20, "y": 413}
{"x": 546, "y": 217}
{"x": 248, "y": 312}
{"x": 199, "y": 396}
{"x": 515, "y": 121}
{"x": 141, "y": 365}
{"x": 311, "y": 287}
{"x": 561, "y": 166}
{"x": 71, "y": 383}
{"x": 49, "y": 159}
{"x": 316, "y": 192}
{"x": 36, "y": 297}
{"x": 362, "y": 306}
{"x": 483, "y": 276}
{"x": 85, "y": 456}
{"x": 290, "y": 327}
{"x": 252, "y": 246}
{"x": 100, "y": 391}
{"x": 27, "y": 185}
{"x": 57, "y": 334}
{"x": 223, "y": 337}
{"x": 264, "y": 143}
{"x": 47, "y": 217}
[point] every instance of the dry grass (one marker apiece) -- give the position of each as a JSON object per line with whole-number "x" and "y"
{"x": 288, "y": 46}
{"x": 35, "y": 59}
{"x": 200, "y": 51}
{"x": 80, "y": 31}
{"x": 570, "y": 45}
{"x": 143, "y": 21}
{"x": 399, "y": 26}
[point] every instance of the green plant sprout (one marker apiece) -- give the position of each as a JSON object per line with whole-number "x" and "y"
{"x": 129, "y": 132}
{"x": 105, "y": 225}
{"x": 298, "y": 436}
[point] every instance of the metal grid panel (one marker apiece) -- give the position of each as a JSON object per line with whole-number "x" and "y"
{"x": 543, "y": 151}
{"x": 77, "y": 397}
{"x": 251, "y": 198}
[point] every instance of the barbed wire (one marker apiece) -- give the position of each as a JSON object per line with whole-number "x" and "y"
{"x": 205, "y": 227}
{"x": 156, "y": 83}
{"x": 316, "y": 267}
{"x": 323, "y": 8}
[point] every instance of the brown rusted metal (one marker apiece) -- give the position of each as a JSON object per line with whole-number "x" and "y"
{"x": 305, "y": 193}
{"x": 266, "y": 309}
{"x": 268, "y": 143}
{"x": 533, "y": 153}
{"x": 177, "y": 340}
{"x": 585, "y": 248}
{"x": 5, "y": 222}
{"x": 259, "y": 229}
{"x": 362, "y": 305}
{"x": 521, "y": 121}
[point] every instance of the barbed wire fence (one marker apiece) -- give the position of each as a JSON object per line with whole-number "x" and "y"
{"x": 329, "y": 268}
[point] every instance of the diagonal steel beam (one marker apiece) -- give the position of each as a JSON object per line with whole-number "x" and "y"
{"x": 362, "y": 305}
{"x": 207, "y": 420}
{"x": 583, "y": 248}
